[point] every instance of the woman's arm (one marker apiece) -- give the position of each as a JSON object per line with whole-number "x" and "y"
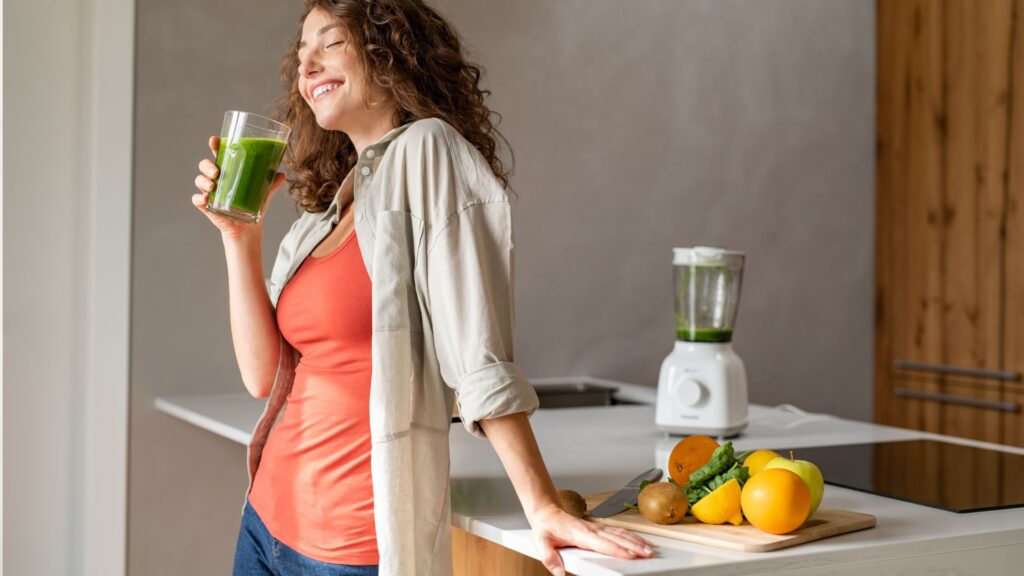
{"x": 470, "y": 279}
{"x": 254, "y": 330}
{"x": 516, "y": 445}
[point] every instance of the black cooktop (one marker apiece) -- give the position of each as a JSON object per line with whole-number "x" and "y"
{"x": 943, "y": 475}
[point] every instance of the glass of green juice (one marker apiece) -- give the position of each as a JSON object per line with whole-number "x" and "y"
{"x": 251, "y": 147}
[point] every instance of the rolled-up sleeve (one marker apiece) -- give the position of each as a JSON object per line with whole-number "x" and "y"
{"x": 470, "y": 272}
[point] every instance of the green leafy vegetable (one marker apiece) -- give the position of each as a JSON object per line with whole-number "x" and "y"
{"x": 740, "y": 473}
{"x": 694, "y": 494}
{"x": 723, "y": 466}
{"x": 720, "y": 461}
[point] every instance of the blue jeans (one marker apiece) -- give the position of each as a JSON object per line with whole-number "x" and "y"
{"x": 260, "y": 554}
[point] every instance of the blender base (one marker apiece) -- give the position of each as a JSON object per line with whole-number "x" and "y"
{"x": 730, "y": 432}
{"x": 702, "y": 389}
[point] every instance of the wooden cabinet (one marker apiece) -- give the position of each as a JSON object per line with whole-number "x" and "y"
{"x": 949, "y": 222}
{"x": 472, "y": 555}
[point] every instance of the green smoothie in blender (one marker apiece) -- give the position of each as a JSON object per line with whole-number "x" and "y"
{"x": 702, "y": 334}
{"x": 707, "y": 284}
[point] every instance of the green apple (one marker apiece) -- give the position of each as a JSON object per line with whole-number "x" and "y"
{"x": 808, "y": 472}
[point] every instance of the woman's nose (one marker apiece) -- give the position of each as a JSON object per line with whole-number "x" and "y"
{"x": 308, "y": 67}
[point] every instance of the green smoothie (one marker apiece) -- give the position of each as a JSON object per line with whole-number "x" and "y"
{"x": 246, "y": 169}
{"x": 704, "y": 334}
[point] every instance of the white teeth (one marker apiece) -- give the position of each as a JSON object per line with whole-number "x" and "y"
{"x": 325, "y": 88}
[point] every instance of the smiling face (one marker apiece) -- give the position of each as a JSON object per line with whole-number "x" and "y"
{"x": 331, "y": 78}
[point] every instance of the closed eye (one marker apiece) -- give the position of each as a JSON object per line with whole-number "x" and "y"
{"x": 334, "y": 43}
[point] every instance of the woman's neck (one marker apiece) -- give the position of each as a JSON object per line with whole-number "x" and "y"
{"x": 375, "y": 126}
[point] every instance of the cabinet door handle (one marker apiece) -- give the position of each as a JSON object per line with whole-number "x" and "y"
{"x": 954, "y": 399}
{"x": 956, "y": 370}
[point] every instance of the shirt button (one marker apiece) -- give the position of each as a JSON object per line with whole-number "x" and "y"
{"x": 365, "y": 171}
{"x": 370, "y": 153}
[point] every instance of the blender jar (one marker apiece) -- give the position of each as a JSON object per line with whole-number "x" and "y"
{"x": 707, "y": 285}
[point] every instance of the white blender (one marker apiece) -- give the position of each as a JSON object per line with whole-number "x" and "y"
{"x": 702, "y": 387}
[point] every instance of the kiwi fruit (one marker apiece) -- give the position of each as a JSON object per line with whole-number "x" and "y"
{"x": 572, "y": 503}
{"x": 663, "y": 503}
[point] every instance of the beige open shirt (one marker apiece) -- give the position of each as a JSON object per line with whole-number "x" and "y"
{"x": 435, "y": 231}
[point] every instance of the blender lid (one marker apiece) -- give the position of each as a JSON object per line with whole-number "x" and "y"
{"x": 706, "y": 256}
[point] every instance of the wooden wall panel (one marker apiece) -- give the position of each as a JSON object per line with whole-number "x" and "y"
{"x": 909, "y": 202}
{"x": 949, "y": 250}
{"x": 977, "y": 68}
{"x": 1013, "y": 334}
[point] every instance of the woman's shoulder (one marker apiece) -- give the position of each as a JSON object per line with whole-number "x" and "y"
{"x": 428, "y": 128}
{"x": 458, "y": 174}
{"x": 435, "y": 134}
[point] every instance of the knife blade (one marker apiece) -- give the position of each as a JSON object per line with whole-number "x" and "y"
{"x": 616, "y": 503}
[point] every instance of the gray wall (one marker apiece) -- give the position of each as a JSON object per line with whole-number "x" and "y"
{"x": 195, "y": 59}
{"x": 641, "y": 126}
{"x": 637, "y": 127}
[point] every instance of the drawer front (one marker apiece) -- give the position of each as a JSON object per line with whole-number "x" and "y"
{"x": 1013, "y": 422}
{"x": 963, "y": 406}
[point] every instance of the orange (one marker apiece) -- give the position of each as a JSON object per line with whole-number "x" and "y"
{"x": 688, "y": 455}
{"x": 757, "y": 460}
{"x": 776, "y": 500}
{"x": 721, "y": 506}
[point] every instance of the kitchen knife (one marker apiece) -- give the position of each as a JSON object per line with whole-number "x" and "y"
{"x": 616, "y": 503}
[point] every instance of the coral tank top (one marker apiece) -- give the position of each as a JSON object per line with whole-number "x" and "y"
{"x": 313, "y": 487}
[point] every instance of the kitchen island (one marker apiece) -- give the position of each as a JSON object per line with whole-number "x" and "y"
{"x": 595, "y": 449}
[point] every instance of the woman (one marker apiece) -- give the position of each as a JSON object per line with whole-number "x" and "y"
{"x": 391, "y": 298}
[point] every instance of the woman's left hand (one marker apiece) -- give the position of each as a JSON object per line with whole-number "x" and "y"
{"x": 555, "y": 528}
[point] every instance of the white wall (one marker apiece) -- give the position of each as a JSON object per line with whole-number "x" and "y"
{"x": 43, "y": 300}
{"x": 67, "y": 216}
{"x": 1, "y": 299}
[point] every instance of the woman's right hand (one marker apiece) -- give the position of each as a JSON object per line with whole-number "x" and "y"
{"x": 206, "y": 180}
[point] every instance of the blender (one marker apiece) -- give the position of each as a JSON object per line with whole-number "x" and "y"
{"x": 702, "y": 386}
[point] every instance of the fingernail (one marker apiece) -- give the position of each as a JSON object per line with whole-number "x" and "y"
{"x": 648, "y": 550}
{"x": 558, "y": 572}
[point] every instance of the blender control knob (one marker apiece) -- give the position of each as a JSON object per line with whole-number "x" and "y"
{"x": 689, "y": 392}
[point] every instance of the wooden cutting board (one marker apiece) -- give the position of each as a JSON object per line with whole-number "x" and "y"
{"x": 746, "y": 538}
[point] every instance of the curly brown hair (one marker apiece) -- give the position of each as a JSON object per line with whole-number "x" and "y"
{"x": 411, "y": 53}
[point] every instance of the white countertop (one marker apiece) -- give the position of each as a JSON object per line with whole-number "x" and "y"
{"x": 601, "y": 448}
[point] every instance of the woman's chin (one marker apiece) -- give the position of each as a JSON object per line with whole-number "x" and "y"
{"x": 328, "y": 122}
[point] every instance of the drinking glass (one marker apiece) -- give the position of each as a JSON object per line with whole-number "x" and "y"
{"x": 251, "y": 148}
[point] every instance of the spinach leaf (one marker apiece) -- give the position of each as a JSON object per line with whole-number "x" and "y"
{"x": 740, "y": 473}
{"x": 722, "y": 467}
{"x": 720, "y": 461}
{"x": 694, "y": 494}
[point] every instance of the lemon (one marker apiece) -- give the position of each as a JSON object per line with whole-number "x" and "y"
{"x": 757, "y": 460}
{"x": 721, "y": 506}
